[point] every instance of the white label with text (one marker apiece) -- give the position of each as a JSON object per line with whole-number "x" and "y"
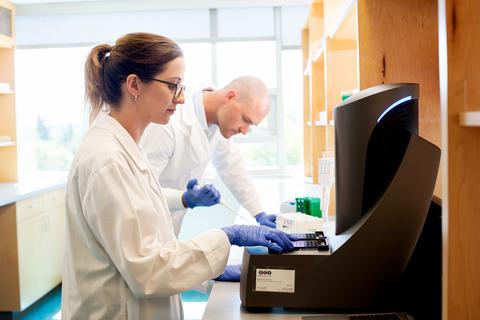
{"x": 275, "y": 280}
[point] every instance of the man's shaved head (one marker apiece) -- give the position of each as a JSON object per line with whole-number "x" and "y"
{"x": 242, "y": 103}
{"x": 251, "y": 90}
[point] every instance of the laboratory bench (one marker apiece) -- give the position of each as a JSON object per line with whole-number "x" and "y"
{"x": 421, "y": 293}
{"x": 32, "y": 237}
{"x": 224, "y": 303}
{"x": 12, "y": 192}
{"x": 224, "y": 298}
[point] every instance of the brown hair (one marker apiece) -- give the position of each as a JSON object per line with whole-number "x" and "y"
{"x": 107, "y": 67}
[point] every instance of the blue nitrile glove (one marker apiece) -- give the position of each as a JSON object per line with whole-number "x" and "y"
{"x": 266, "y": 219}
{"x": 248, "y": 235}
{"x": 231, "y": 273}
{"x": 205, "y": 196}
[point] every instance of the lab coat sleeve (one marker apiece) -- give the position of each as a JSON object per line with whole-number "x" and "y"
{"x": 128, "y": 227}
{"x": 158, "y": 144}
{"x": 231, "y": 167}
{"x": 174, "y": 199}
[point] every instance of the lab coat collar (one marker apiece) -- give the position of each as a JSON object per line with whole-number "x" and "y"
{"x": 188, "y": 112}
{"x": 191, "y": 126}
{"x": 109, "y": 123}
{"x": 133, "y": 150}
{"x": 200, "y": 108}
{"x": 189, "y": 115}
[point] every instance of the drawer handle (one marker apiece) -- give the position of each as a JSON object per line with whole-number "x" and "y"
{"x": 45, "y": 224}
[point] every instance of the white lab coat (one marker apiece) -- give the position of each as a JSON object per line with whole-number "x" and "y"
{"x": 122, "y": 259}
{"x": 182, "y": 150}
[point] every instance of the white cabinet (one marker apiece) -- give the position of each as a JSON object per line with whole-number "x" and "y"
{"x": 36, "y": 249}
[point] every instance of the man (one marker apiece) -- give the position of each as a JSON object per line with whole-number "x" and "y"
{"x": 200, "y": 131}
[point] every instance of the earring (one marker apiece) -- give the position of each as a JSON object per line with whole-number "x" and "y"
{"x": 134, "y": 98}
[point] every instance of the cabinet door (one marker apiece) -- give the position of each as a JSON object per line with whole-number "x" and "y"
{"x": 40, "y": 254}
{"x": 56, "y": 244}
{"x": 9, "y": 293}
{"x": 53, "y": 200}
{"x": 29, "y": 207}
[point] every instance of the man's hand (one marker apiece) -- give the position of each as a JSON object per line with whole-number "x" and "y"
{"x": 205, "y": 196}
{"x": 266, "y": 219}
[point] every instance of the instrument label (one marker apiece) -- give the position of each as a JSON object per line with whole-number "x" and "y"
{"x": 275, "y": 280}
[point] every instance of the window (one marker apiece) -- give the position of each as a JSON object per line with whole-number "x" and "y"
{"x": 260, "y": 156}
{"x": 50, "y": 110}
{"x": 70, "y": 29}
{"x": 231, "y": 22}
{"x": 198, "y": 63}
{"x": 247, "y": 58}
{"x": 50, "y": 95}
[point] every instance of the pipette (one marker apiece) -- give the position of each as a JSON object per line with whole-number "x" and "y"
{"x": 223, "y": 203}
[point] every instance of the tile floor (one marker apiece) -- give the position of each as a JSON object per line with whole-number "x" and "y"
{"x": 48, "y": 308}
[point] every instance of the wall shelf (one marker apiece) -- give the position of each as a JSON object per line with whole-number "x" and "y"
{"x": 319, "y": 52}
{"x": 7, "y": 27}
{"x": 306, "y": 71}
{"x": 8, "y": 130}
{"x": 5, "y": 88}
{"x": 345, "y": 28}
{"x": 316, "y": 26}
{"x": 359, "y": 44}
{"x": 470, "y": 119}
{"x": 6, "y": 42}
{"x": 459, "y": 71}
{"x": 6, "y": 144}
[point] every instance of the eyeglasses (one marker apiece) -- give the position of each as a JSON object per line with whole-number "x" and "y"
{"x": 176, "y": 88}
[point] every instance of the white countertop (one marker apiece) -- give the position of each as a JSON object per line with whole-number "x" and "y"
{"x": 33, "y": 186}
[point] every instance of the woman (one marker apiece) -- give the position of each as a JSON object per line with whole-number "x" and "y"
{"x": 122, "y": 259}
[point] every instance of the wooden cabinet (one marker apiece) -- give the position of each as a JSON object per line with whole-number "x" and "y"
{"x": 434, "y": 43}
{"x": 8, "y": 149}
{"x": 352, "y": 45}
{"x": 459, "y": 30}
{"x": 31, "y": 233}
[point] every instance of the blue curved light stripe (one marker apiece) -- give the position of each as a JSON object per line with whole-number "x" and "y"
{"x": 393, "y": 106}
